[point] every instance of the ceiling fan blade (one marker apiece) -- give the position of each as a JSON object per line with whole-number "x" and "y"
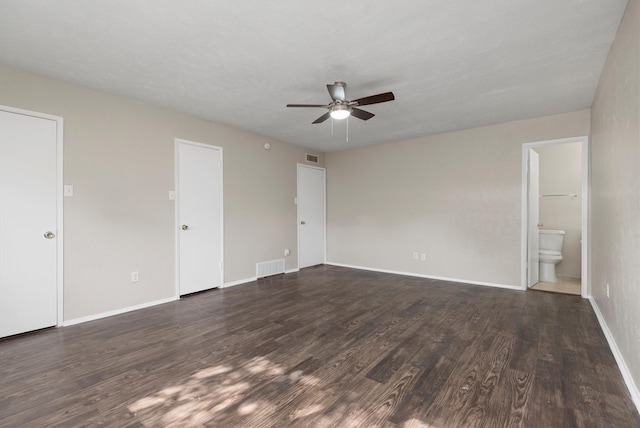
{"x": 375, "y": 99}
{"x": 322, "y": 118}
{"x": 307, "y": 105}
{"x": 361, "y": 114}
{"x": 338, "y": 91}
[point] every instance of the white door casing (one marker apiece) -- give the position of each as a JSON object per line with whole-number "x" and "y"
{"x": 199, "y": 217}
{"x": 311, "y": 216}
{"x": 533, "y": 247}
{"x": 30, "y": 221}
{"x": 525, "y": 229}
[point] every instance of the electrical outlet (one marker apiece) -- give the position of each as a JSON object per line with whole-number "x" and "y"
{"x": 135, "y": 277}
{"x": 415, "y": 255}
{"x": 423, "y": 257}
{"x": 607, "y": 290}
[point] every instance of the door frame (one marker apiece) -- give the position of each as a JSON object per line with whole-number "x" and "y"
{"x": 324, "y": 214}
{"x": 531, "y": 240}
{"x": 584, "y": 257}
{"x": 177, "y": 142}
{"x": 59, "y": 203}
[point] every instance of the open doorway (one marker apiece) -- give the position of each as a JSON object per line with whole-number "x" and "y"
{"x": 554, "y": 228}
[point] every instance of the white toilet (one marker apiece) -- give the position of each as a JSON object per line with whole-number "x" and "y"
{"x": 550, "y": 253}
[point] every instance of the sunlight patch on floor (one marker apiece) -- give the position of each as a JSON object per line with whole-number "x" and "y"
{"x": 212, "y": 391}
{"x": 415, "y": 423}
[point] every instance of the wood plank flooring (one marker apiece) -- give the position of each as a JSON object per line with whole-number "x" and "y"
{"x": 325, "y": 347}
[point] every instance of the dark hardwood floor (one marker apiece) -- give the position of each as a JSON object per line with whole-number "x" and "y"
{"x": 326, "y": 347}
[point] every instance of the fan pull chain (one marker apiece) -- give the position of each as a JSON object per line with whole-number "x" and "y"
{"x": 332, "y": 127}
{"x": 347, "y": 140}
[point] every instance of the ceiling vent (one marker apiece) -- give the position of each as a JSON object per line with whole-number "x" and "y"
{"x": 312, "y": 158}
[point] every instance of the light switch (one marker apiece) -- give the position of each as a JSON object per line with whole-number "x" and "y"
{"x": 68, "y": 190}
{"x": 172, "y": 195}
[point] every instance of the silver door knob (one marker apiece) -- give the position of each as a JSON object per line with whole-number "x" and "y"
{"x": 185, "y": 227}
{"x": 302, "y": 222}
{"x": 49, "y": 234}
{"x": 540, "y": 224}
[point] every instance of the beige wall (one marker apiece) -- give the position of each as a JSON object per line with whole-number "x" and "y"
{"x": 455, "y": 197}
{"x": 615, "y": 191}
{"x": 119, "y": 156}
{"x": 561, "y": 173}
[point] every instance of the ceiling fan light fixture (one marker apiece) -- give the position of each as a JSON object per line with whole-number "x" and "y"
{"x": 340, "y": 112}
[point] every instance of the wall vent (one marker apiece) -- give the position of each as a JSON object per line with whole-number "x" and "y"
{"x": 312, "y": 158}
{"x": 273, "y": 267}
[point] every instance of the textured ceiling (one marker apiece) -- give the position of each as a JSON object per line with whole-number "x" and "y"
{"x": 452, "y": 64}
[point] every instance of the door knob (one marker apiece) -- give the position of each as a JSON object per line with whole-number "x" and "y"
{"x": 49, "y": 234}
{"x": 540, "y": 224}
{"x": 185, "y": 227}
{"x": 302, "y": 222}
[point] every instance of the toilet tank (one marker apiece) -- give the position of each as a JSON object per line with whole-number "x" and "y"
{"x": 551, "y": 240}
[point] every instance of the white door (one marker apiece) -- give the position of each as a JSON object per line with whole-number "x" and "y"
{"x": 311, "y": 216}
{"x": 28, "y": 223}
{"x": 199, "y": 216}
{"x": 533, "y": 189}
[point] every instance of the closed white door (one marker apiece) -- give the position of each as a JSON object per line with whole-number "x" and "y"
{"x": 199, "y": 216}
{"x": 28, "y": 223}
{"x": 533, "y": 246}
{"x": 311, "y": 216}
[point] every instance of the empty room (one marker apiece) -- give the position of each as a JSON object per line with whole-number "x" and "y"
{"x": 335, "y": 214}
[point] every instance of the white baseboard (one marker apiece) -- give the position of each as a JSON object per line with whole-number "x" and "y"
{"x": 247, "y": 280}
{"x": 117, "y": 311}
{"x": 149, "y": 304}
{"x": 418, "y": 275}
{"x": 239, "y": 282}
{"x": 561, "y": 275}
{"x": 622, "y": 365}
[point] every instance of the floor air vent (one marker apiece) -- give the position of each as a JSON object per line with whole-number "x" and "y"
{"x": 269, "y": 268}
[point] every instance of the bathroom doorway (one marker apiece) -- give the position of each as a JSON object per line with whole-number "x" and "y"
{"x": 555, "y": 199}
